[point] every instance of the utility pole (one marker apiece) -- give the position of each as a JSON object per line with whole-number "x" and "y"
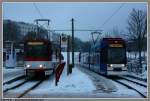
{"x": 37, "y": 30}
{"x": 68, "y": 56}
{"x": 89, "y": 58}
{"x": 60, "y": 51}
{"x": 72, "y": 20}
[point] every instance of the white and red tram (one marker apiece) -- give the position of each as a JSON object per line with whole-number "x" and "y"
{"x": 38, "y": 57}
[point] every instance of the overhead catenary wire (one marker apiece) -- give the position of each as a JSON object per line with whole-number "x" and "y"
{"x": 42, "y": 17}
{"x": 38, "y": 10}
{"x": 114, "y": 13}
{"x": 106, "y": 21}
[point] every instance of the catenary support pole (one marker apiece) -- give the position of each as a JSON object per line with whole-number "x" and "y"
{"x": 68, "y": 55}
{"x": 72, "y": 20}
{"x": 60, "y": 51}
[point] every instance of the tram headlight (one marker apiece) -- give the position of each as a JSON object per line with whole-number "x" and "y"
{"x": 28, "y": 66}
{"x": 41, "y": 66}
{"x": 111, "y": 65}
{"x": 123, "y": 65}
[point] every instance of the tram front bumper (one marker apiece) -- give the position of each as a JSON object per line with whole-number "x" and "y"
{"x": 111, "y": 72}
{"x": 39, "y": 71}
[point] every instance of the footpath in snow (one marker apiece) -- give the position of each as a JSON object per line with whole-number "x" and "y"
{"x": 77, "y": 82}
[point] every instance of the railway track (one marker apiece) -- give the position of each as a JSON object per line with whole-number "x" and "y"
{"x": 15, "y": 83}
{"x": 14, "y": 79}
{"x": 22, "y": 83}
{"x": 136, "y": 78}
{"x": 130, "y": 87}
{"x": 16, "y": 86}
{"x": 124, "y": 84}
{"x": 128, "y": 83}
{"x": 136, "y": 82}
{"x": 31, "y": 88}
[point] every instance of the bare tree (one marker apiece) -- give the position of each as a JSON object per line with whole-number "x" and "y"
{"x": 137, "y": 29}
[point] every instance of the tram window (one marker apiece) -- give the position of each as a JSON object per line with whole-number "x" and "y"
{"x": 116, "y": 55}
{"x": 38, "y": 50}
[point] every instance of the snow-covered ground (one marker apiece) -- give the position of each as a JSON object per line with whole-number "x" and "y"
{"x": 142, "y": 76}
{"x": 7, "y": 86}
{"x": 124, "y": 92}
{"x": 75, "y": 83}
{"x": 133, "y": 69}
{"x": 136, "y": 80}
{"x": 142, "y": 89}
{"x": 133, "y": 64}
{"x": 117, "y": 90}
{"x": 81, "y": 83}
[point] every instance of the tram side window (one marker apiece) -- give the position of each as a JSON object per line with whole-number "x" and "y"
{"x": 103, "y": 56}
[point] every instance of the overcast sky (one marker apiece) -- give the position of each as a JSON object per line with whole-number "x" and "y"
{"x": 86, "y": 15}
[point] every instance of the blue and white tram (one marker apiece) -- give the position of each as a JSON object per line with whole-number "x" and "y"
{"x": 107, "y": 58}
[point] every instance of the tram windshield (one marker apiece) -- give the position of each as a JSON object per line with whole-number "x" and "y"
{"x": 36, "y": 51}
{"x": 116, "y": 55}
